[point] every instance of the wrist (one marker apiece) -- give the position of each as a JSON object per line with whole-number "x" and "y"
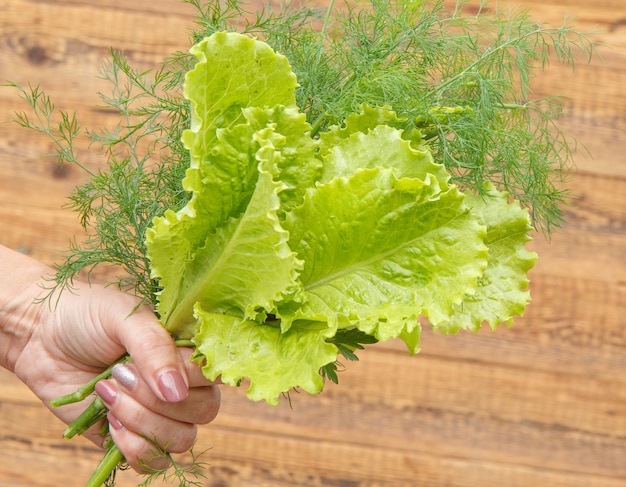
{"x": 20, "y": 287}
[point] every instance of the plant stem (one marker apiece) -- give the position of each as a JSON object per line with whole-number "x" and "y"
{"x": 90, "y": 416}
{"x": 106, "y": 467}
{"x": 84, "y": 391}
{"x": 329, "y": 10}
{"x": 95, "y": 412}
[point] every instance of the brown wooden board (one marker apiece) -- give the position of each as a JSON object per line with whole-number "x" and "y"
{"x": 540, "y": 404}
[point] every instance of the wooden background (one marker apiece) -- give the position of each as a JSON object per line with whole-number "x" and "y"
{"x": 540, "y": 404}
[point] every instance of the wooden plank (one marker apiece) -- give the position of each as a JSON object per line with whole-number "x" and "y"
{"x": 429, "y": 432}
{"x": 351, "y": 465}
{"x": 541, "y": 403}
{"x": 574, "y": 328}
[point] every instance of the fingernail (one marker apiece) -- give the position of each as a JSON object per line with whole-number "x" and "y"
{"x": 114, "y": 422}
{"x": 106, "y": 391}
{"x": 172, "y": 386}
{"x": 125, "y": 376}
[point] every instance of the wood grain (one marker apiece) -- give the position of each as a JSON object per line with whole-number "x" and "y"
{"x": 542, "y": 403}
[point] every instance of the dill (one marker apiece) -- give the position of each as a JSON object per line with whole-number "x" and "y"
{"x": 463, "y": 80}
{"x": 459, "y": 81}
{"x": 189, "y": 474}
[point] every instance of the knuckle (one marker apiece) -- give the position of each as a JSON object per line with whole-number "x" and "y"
{"x": 209, "y": 406}
{"x": 183, "y": 440}
{"x": 139, "y": 453}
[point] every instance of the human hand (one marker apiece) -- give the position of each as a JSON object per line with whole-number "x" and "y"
{"x": 160, "y": 395}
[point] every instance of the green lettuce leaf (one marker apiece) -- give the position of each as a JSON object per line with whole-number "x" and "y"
{"x": 379, "y": 250}
{"x": 381, "y": 146}
{"x": 228, "y": 236}
{"x": 233, "y": 72}
{"x": 245, "y": 265}
{"x": 274, "y": 361}
{"x": 290, "y": 153}
{"x": 502, "y": 291}
{"x": 289, "y": 239}
{"x": 368, "y": 118}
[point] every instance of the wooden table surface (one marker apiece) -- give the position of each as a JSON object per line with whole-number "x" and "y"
{"x": 540, "y": 404}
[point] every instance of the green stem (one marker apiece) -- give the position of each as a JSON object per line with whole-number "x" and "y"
{"x": 317, "y": 124}
{"x": 512, "y": 106}
{"x": 84, "y": 391}
{"x": 326, "y": 22}
{"x": 90, "y": 416}
{"x": 95, "y": 412}
{"x": 106, "y": 467}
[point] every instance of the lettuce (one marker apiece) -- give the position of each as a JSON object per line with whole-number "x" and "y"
{"x": 502, "y": 291}
{"x": 290, "y": 239}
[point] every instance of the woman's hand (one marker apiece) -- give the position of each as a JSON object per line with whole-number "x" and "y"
{"x": 56, "y": 347}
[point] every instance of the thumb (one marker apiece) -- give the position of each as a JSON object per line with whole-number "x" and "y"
{"x": 154, "y": 354}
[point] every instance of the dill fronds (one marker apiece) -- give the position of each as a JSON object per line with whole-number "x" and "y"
{"x": 188, "y": 474}
{"x": 460, "y": 81}
{"x": 464, "y": 80}
{"x": 146, "y": 163}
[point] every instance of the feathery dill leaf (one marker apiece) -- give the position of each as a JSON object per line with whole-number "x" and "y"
{"x": 464, "y": 80}
{"x": 190, "y": 474}
{"x": 460, "y": 80}
{"x": 145, "y": 165}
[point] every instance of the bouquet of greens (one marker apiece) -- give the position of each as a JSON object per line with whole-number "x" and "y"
{"x": 285, "y": 194}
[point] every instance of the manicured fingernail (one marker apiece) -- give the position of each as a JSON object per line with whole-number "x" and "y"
{"x": 106, "y": 391}
{"x": 125, "y": 376}
{"x": 114, "y": 422}
{"x": 172, "y": 386}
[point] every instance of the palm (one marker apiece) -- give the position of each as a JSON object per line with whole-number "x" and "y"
{"x": 73, "y": 344}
